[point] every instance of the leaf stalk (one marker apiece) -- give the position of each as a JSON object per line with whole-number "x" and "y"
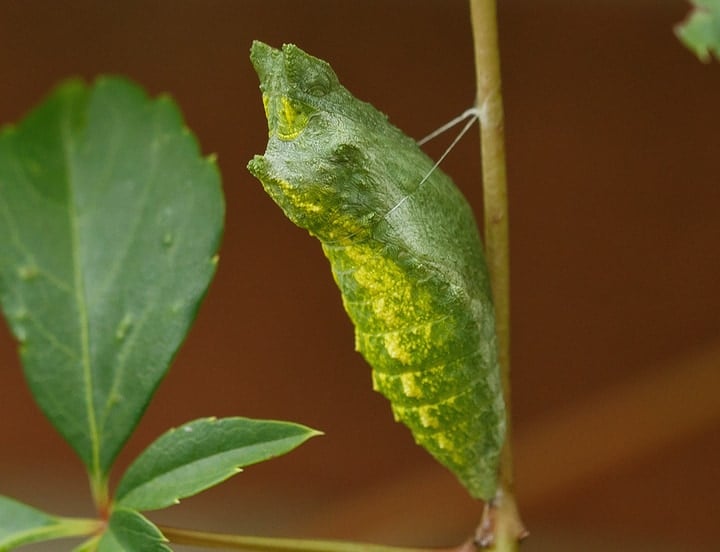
{"x": 270, "y": 544}
{"x": 100, "y": 493}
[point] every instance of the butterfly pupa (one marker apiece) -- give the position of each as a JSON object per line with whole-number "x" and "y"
{"x": 405, "y": 251}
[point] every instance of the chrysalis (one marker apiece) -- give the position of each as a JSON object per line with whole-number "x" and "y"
{"x": 405, "y": 253}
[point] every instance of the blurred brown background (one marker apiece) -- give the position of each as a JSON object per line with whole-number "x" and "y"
{"x": 613, "y": 133}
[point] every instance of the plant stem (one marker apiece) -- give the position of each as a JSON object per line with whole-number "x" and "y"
{"x": 506, "y": 528}
{"x": 100, "y": 494}
{"x": 268, "y": 544}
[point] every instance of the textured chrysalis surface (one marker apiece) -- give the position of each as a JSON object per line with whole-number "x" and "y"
{"x": 405, "y": 253}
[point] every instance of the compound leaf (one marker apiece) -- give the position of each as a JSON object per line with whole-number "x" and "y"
{"x": 109, "y": 224}
{"x": 189, "y": 459}
{"x": 129, "y": 531}
{"x": 22, "y": 524}
{"x": 700, "y": 32}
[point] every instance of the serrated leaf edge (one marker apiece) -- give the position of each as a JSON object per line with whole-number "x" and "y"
{"x": 125, "y": 501}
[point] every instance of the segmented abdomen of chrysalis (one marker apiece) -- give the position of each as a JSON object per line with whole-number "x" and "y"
{"x": 405, "y": 253}
{"x": 429, "y": 356}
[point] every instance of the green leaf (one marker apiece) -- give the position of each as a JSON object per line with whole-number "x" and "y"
{"x": 89, "y": 545}
{"x": 21, "y": 524}
{"x": 109, "y": 225}
{"x": 129, "y": 531}
{"x": 189, "y": 459}
{"x": 700, "y": 32}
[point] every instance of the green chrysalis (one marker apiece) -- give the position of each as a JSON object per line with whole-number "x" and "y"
{"x": 405, "y": 253}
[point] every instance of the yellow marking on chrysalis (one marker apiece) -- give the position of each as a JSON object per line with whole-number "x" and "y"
{"x": 345, "y": 229}
{"x": 410, "y": 386}
{"x": 266, "y": 103}
{"x": 427, "y": 417}
{"x": 443, "y": 442}
{"x": 286, "y": 119}
{"x": 395, "y": 301}
{"x": 288, "y": 111}
{"x": 291, "y": 121}
{"x": 396, "y": 349}
{"x": 408, "y": 383}
{"x": 297, "y": 197}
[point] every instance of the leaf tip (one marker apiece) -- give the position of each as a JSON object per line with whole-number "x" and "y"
{"x": 699, "y": 32}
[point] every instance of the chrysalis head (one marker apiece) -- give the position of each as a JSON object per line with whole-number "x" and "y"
{"x": 293, "y": 85}
{"x": 314, "y": 166}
